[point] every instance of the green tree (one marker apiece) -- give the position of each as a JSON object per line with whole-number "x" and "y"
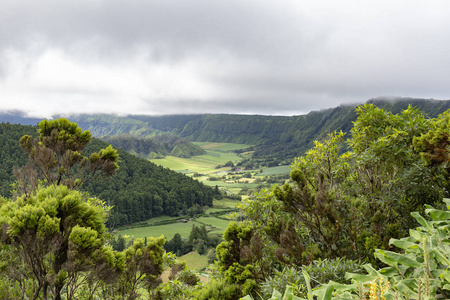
{"x": 57, "y": 157}
{"x": 239, "y": 257}
{"x": 55, "y": 232}
{"x": 349, "y": 203}
{"x": 144, "y": 265}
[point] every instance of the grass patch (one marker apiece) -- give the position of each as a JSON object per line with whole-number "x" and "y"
{"x": 218, "y": 224}
{"x": 184, "y": 229}
{"x": 275, "y": 171}
{"x": 216, "y": 154}
{"x": 200, "y": 164}
{"x": 225, "y": 203}
{"x": 195, "y": 260}
{"x": 168, "y": 230}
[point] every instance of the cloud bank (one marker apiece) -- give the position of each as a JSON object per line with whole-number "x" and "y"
{"x": 199, "y": 56}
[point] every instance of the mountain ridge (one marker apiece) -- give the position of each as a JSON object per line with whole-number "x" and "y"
{"x": 276, "y": 138}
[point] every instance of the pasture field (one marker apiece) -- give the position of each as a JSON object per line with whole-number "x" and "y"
{"x": 216, "y": 154}
{"x": 194, "y": 260}
{"x": 225, "y": 203}
{"x": 200, "y": 164}
{"x": 218, "y": 225}
{"x": 275, "y": 171}
{"x": 184, "y": 229}
{"x": 169, "y": 230}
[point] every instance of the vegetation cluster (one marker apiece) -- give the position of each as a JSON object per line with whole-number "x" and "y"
{"x": 139, "y": 190}
{"x": 361, "y": 217}
{"x": 348, "y": 198}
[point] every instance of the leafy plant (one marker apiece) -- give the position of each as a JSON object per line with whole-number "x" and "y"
{"x": 421, "y": 271}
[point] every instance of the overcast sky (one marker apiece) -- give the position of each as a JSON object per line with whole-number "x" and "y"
{"x": 210, "y": 56}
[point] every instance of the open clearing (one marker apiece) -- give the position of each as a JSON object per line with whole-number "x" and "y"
{"x": 275, "y": 171}
{"x": 184, "y": 229}
{"x": 216, "y": 154}
{"x": 169, "y": 230}
{"x": 195, "y": 260}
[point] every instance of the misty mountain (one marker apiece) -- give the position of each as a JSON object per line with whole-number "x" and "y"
{"x": 276, "y": 138}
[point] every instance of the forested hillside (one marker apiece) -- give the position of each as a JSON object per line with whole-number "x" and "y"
{"x": 102, "y": 125}
{"x": 11, "y": 155}
{"x": 156, "y": 146}
{"x": 139, "y": 190}
{"x": 277, "y": 139}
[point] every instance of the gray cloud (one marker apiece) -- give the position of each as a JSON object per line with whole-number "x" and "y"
{"x": 268, "y": 57}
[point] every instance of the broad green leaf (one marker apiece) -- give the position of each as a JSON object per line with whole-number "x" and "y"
{"x": 327, "y": 294}
{"x": 389, "y": 296}
{"x": 404, "y": 289}
{"x": 276, "y": 294}
{"x": 372, "y": 271}
{"x": 417, "y": 235}
{"x": 399, "y": 258}
{"x": 360, "y": 277}
{"x": 344, "y": 296}
{"x": 339, "y": 287}
{"x": 389, "y": 271}
{"x": 403, "y": 244}
{"x": 308, "y": 284}
{"x": 385, "y": 259}
{"x": 447, "y": 202}
{"x": 288, "y": 294}
{"x": 445, "y": 275}
{"x": 248, "y": 297}
{"x": 438, "y": 215}
{"x": 427, "y": 225}
{"x": 440, "y": 257}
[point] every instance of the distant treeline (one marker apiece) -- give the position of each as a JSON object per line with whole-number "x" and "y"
{"x": 139, "y": 190}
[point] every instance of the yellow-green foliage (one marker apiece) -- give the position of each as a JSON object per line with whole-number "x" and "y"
{"x": 419, "y": 271}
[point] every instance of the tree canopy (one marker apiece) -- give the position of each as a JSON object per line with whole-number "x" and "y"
{"x": 58, "y": 156}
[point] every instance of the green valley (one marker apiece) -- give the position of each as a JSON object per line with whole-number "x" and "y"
{"x": 313, "y": 206}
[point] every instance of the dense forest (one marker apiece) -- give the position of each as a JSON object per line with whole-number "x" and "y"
{"x": 140, "y": 190}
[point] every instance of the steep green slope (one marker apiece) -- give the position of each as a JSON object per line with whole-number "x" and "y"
{"x": 277, "y": 138}
{"x": 139, "y": 190}
{"x": 101, "y": 125}
{"x": 156, "y": 146}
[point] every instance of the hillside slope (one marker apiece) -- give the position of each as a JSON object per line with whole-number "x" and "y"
{"x": 155, "y": 146}
{"x": 277, "y": 138}
{"x": 140, "y": 189}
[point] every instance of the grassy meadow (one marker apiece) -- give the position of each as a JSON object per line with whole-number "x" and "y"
{"x": 216, "y": 154}
{"x": 215, "y": 225}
